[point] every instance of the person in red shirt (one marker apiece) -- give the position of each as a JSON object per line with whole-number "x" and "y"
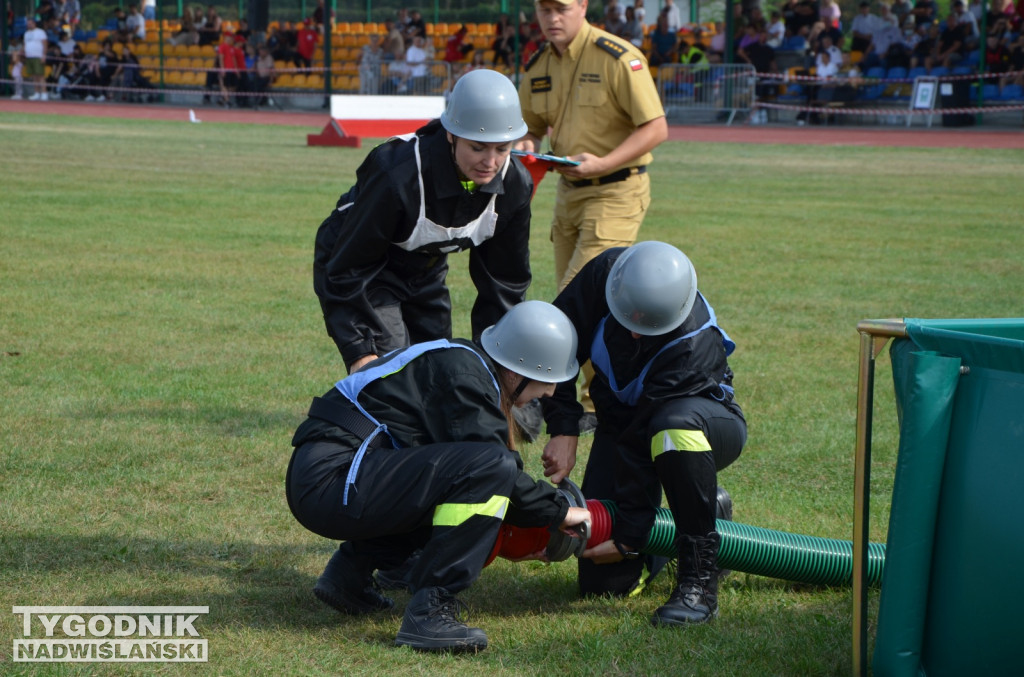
{"x": 309, "y": 37}
{"x": 230, "y": 61}
{"x": 456, "y": 48}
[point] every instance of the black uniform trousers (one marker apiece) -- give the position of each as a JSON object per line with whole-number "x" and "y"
{"x": 689, "y": 479}
{"x": 391, "y": 507}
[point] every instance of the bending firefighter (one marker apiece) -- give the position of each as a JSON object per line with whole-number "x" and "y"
{"x": 666, "y": 419}
{"x": 381, "y": 257}
{"x": 413, "y": 452}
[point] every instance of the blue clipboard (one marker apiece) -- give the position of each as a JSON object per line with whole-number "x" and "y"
{"x": 557, "y": 159}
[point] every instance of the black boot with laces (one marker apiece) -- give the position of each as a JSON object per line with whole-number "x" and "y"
{"x": 348, "y": 586}
{"x": 432, "y": 623}
{"x": 695, "y": 598}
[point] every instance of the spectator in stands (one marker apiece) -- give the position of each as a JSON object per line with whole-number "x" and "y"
{"x": 633, "y": 30}
{"x": 638, "y": 9}
{"x": 862, "y": 28}
{"x": 761, "y": 56}
{"x": 17, "y": 72}
{"x": 186, "y": 33}
{"x": 776, "y": 30}
{"x": 901, "y": 9}
{"x": 228, "y": 68}
{"x": 924, "y": 12}
{"x": 34, "y": 45}
{"x": 952, "y": 44}
{"x": 209, "y": 32}
{"x": 57, "y": 65}
{"x": 671, "y": 13}
{"x": 830, "y": 13}
{"x": 456, "y": 48}
{"x": 263, "y": 76}
{"x": 800, "y": 15}
{"x": 614, "y": 21}
{"x": 885, "y": 15}
{"x": 121, "y": 32}
{"x": 416, "y": 27}
{"x": 1016, "y": 57}
{"x": 71, "y": 14}
{"x": 532, "y": 45}
{"x": 835, "y": 55}
{"x": 243, "y": 34}
{"x": 927, "y": 43}
{"x": 66, "y": 44}
{"x": 136, "y": 24}
{"x": 130, "y": 74}
{"x": 309, "y": 38}
{"x": 966, "y": 19}
{"x": 394, "y": 43}
{"x": 664, "y": 43}
{"x": 318, "y": 16}
{"x": 109, "y": 68}
{"x": 887, "y": 49}
{"x": 371, "y": 59}
{"x": 416, "y": 69}
{"x": 504, "y": 47}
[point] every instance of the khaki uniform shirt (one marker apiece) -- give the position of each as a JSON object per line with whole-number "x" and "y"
{"x": 593, "y": 95}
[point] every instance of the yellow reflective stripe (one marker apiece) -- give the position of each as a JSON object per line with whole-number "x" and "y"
{"x": 679, "y": 440}
{"x": 454, "y": 514}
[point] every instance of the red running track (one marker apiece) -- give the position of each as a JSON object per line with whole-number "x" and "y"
{"x": 935, "y": 137}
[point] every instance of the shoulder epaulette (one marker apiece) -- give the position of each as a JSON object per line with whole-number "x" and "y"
{"x": 612, "y": 47}
{"x": 533, "y": 59}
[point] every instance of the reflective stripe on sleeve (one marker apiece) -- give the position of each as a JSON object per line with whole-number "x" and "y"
{"x": 679, "y": 440}
{"x": 454, "y": 514}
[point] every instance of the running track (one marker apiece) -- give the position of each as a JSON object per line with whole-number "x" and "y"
{"x": 935, "y": 137}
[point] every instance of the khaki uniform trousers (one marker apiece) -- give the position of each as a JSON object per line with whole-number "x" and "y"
{"x": 588, "y": 220}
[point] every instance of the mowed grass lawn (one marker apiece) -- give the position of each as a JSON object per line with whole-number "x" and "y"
{"x": 160, "y": 341}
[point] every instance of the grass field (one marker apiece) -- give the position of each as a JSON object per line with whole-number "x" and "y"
{"x": 160, "y": 341}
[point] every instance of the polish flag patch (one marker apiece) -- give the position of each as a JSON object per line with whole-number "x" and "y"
{"x": 636, "y": 65}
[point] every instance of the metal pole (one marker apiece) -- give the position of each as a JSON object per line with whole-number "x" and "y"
{"x": 4, "y": 39}
{"x": 873, "y": 336}
{"x": 327, "y": 55}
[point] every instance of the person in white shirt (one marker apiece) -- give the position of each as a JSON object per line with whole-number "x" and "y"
{"x": 416, "y": 64}
{"x": 34, "y": 46}
{"x": 136, "y": 24}
{"x": 671, "y": 12}
{"x": 776, "y": 30}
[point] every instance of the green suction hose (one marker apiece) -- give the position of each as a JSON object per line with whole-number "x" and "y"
{"x": 776, "y": 554}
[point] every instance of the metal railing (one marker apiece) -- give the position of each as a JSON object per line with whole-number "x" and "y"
{"x": 706, "y": 91}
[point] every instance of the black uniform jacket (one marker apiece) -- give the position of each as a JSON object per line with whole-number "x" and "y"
{"x": 356, "y": 259}
{"x": 694, "y": 367}
{"x": 445, "y": 395}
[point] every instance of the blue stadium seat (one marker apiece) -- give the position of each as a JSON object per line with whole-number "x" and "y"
{"x": 962, "y": 70}
{"x": 1012, "y": 93}
{"x": 939, "y": 71}
{"x": 972, "y": 58}
{"x": 917, "y": 72}
{"x": 990, "y": 91}
{"x": 896, "y": 73}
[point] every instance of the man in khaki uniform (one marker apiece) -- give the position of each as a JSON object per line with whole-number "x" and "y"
{"x": 595, "y": 92}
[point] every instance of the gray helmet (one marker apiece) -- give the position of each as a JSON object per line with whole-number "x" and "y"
{"x": 484, "y": 106}
{"x": 535, "y": 340}
{"x": 651, "y": 288}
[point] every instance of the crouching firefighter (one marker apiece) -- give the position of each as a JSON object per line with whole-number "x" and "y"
{"x": 666, "y": 420}
{"x": 412, "y": 452}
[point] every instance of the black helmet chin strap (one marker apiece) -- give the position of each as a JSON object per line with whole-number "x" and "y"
{"x": 520, "y": 388}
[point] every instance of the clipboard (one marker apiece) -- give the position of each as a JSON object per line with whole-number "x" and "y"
{"x": 554, "y": 159}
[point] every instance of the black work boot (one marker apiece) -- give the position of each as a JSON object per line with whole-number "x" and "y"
{"x": 432, "y": 623}
{"x": 349, "y": 587}
{"x": 695, "y": 599}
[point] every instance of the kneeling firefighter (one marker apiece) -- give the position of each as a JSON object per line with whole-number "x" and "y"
{"x": 414, "y": 452}
{"x": 666, "y": 419}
